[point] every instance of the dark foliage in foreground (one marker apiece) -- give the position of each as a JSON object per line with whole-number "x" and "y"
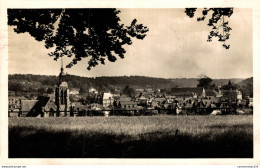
{"x": 78, "y": 33}
{"x": 218, "y": 22}
{"x": 30, "y": 142}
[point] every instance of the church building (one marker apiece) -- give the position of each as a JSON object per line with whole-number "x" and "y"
{"x": 44, "y": 106}
{"x": 62, "y": 95}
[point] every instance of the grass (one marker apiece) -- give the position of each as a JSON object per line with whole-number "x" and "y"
{"x": 132, "y": 137}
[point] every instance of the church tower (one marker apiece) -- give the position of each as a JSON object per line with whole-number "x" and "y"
{"x": 62, "y": 94}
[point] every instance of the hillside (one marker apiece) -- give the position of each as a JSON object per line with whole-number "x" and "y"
{"x": 248, "y": 81}
{"x": 30, "y": 82}
{"x": 192, "y": 82}
{"x": 41, "y": 83}
{"x": 246, "y": 86}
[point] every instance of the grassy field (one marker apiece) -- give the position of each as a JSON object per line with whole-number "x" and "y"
{"x": 132, "y": 137}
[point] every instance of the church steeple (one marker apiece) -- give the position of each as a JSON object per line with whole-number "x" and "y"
{"x": 62, "y": 94}
{"x": 61, "y": 72}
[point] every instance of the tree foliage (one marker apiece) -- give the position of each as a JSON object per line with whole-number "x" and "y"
{"x": 247, "y": 90}
{"x": 128, "y": 91}
{"x": 205, "y": 82}
{"x": 78, "y": 33}
{"x": 83, "y": 89}
{"x": 229, "y": 86}
{"x": 49, "y": 90}
{"x": 14, "y": 86}
{"x": 41, "y": 90}
{"x": 102, "y": 84}
{"x": 218, "y": 22}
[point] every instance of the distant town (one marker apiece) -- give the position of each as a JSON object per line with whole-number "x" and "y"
{"x": 61, "y": 100}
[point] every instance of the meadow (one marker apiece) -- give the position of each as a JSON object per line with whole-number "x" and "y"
{"x": 164, "y": 136}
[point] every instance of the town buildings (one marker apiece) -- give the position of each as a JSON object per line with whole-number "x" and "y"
{"x": 192, "y": 99}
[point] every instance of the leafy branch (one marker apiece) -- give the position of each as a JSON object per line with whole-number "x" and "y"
{"x": 220, "y": 28}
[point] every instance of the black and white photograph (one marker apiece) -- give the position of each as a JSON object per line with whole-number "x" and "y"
{"x": 130, "y": 83}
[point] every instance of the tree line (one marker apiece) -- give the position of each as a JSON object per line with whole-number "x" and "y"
{"x": 45, "y": 84}
{"x": 29, "y": 82}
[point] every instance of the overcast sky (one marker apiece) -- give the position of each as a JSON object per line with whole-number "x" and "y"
{"x": 176, "y": 46}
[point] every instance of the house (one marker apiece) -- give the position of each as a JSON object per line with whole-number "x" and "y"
{"x": 170, "y": 98}
{"x": 154, "y": 104}
{"x": 78, "y": 106}
{"x": 232, "y": 95}
{"x": 249, "y": 101}
{"x": 144, "y": 95}
{"x": 34, "y": 108}
{"x": 14, "y": 102}
{"x": 95, "y": 106}
{"x": 108, "y": 99}
{"x": 166, "y": 105}
{"x": 27, "y": 107}
{"x": 188, "y": 106}
{"x": 242, "y": 103}
{"x": 139, "y": 90}
{"x": 116, "y": 96}
{"x": 129, "y": 105}
{"x": 159, "y": 100}
{"x": 239, "y": 95}
{"x": 219, "y": 93}
{"x": 142, "y": 98}
{"x": 92, "y": 90}
{"x": 210, "y": 93}
{"x": 206, "y": 102}
{"x": 149, "y": 90}
{"x": 124, "y": 98}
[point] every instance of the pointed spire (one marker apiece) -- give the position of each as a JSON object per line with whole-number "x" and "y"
{"x": 61, "y": 71}
{"x": 61, "y": 63}
{"x": 229, "y": 83}
{"x": 203, "y": 93}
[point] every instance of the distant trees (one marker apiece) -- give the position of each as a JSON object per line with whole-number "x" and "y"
{"x": 41, "y": 90}
{"x": 50, "y": 81}
{"x": 218, "y": 22}
{"x": 104, "y": 83}
{"x": 247, "y": 90}
{"x": 230, "y": 86}
{"x": 83, "y": 90}
{"x": 32, "y": 89}
{"x": 204, "y": 82}
{"x": 15, "y": 86}
{"x": 246, "y": 87}
{"x": 49, "y": 90}
{"x": 128, "y": 91}
{"x": 20, "y": 83}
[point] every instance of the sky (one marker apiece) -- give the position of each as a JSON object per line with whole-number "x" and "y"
{"x": 175, "y": 47}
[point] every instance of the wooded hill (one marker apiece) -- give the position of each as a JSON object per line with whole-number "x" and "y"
{"x": 32, "y": 83}
{"x": 192, "y": 82}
